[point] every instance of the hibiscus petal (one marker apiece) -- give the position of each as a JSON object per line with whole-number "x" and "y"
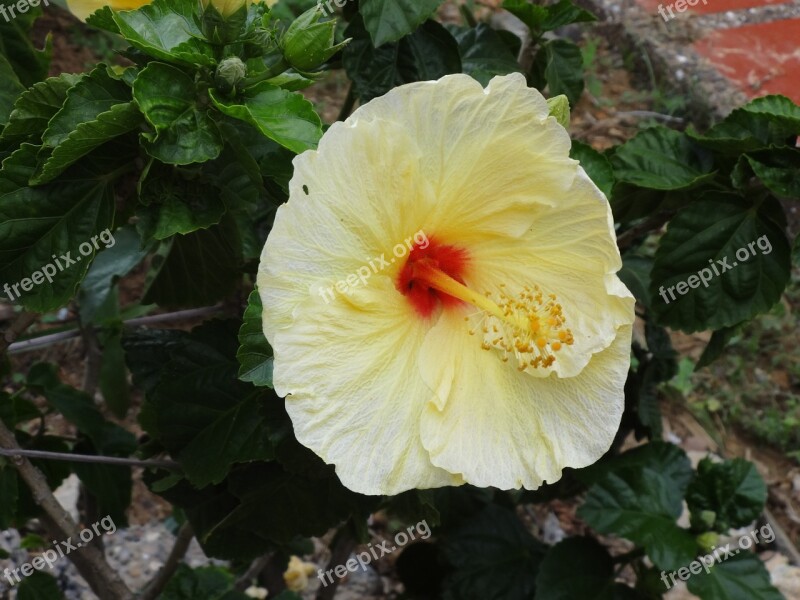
{"x": 490, "y": 154}
{"x": 569, "y": 250}
{"x": 500, "y": 427}
{"x": 352, "y": 401}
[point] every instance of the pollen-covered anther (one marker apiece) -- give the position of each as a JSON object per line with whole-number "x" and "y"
{"x": 529, "y": 327}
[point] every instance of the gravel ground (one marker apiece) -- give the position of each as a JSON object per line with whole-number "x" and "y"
{"x": 666, "y": 45}
{"x": 135, "y": 553}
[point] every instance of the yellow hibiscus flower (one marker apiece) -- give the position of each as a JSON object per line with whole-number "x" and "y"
{"x": 83, "y": 8}
{"x": 297, "y": 574}
{"x": 490, "y": 343}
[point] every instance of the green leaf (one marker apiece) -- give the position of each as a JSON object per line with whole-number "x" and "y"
{"x": 103, "y": 18}
{"x": 733, "y": 490}
{"x": 493, "y": 556}
{"x": 176, "y": 203}
{"x": 95, "y": 93}
{"x": 561, "y": 64}
{"x": 205, "y": 583}
{"x": 78, "y": 408}
{"x": 8, "y": 492}
{"x": 484, "y": 54}
{"x": 30, "y": 65}
{"x": 185, "y": 133}
{"x": 639, "y": 496}
{"x": 113, "y": 372}
{"x": 635, "y": 274}
{"x": 390, "y": 20}
{"x": 596, "y": 166}
{"x": 630, "y": 504}
{"x": 235, "y": 436}
{"x": 205, "y": 418}
{"x": 434, "y": 50}
{"x": 533, "y": 15}
{"x": 564, "y": 12}
{"x": 58, "y": 220}
{"x": 197, "y": 269}
{"x": 123, "y": 251}
{"x": 167, "y": 30}
{"x": 742, "y": 577}
{"x": 557, "y": 580}
{"x": 55, "y": 472}
{"x": 667, "y": 459}
{"x": 716, "y": 346}
{"x": 540, "y": 19}
{"x": 111, "y": 487}
{"x": 286, "y": 117}
{"x": 703, "y": 241}
{"x": 15, "y": 410}
{"x": 254, "y": 355}
{"x": 763, "y": 123}
{"x": 121, "y": 119}
{"x": 778, "y": 170}
{"x": 261, "y": 508}
{"x": 662, "y": 159}
{"x": 36, "y": 106}
{"x": 429, "y": 53}
{"x": 11, "y": 89}
{"x": 39, "y": 586}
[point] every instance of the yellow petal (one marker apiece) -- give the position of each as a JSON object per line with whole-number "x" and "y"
{"x": 84, "y": 8}
{"x": 345, "y": 368}
{"x": 500, "y": 427}
{"x": 351, "y": 202}
{"x": 570, "y": 250}
{"x": 490, "y": 154}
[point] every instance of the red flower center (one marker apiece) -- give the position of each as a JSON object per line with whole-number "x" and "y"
{"x": 413, "y": 281}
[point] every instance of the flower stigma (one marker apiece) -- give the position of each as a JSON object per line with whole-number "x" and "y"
{"x": 528, "y": 326}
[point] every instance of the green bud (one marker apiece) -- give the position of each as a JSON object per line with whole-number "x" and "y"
{"x": 706, "y": 541}
{"x": 308, "y": 42}
{"x": 230, "y": 73}
{"x": 224, "y": 20}
{"x": 559, "y": 108}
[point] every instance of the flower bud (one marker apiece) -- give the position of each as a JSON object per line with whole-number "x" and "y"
{"x": 224, "y": 20}
{"x": 707, "y": 541}
{"x": 308, "y": 43}
{"x": 225, "y": 7}
{"x": 230, "y": 73}
{"x": 559, "y": 108}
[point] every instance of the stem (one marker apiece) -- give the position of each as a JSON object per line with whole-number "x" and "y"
{"x": 182, "y": 542}
{"x": 626, "y": 238}
{"x": 279, "y": 67}
{"x": 348, "y": 105}
{"x": 63, "y": 336}
{"x": 253, "y": 571}
{"x": 24, "y": 320}
{"x": 18, "y": 453}
{"x": 343, "y": 544}
{"x": 469, "y": 18}
{"x": 89, "y": 560}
